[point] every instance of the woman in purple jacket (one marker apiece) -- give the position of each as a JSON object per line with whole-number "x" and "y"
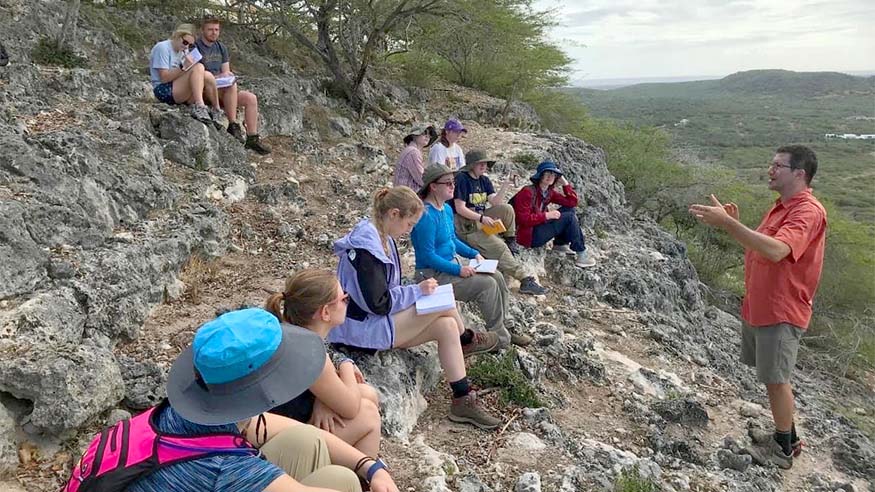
{"x": 381, "y": 314}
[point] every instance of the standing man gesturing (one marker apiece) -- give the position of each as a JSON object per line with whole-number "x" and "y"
{"x": 783, "y": 261}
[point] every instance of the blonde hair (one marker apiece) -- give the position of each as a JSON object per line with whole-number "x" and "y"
{"x": 399, "y": 197}
{"x": 305, "y": 293}
{"x": 182, "y": 30}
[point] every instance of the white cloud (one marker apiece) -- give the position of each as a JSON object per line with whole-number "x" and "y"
{"x": 639, "y": 38}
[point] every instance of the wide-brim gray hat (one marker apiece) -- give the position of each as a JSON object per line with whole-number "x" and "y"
{"x": 293, "y": 367}
{"x": 431, "y": 174}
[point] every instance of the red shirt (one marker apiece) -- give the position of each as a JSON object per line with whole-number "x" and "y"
{"x": 782, "y": 292}
{"x": 530, "y": 209}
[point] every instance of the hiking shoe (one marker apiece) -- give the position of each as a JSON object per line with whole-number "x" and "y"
{"x": 217, "y": 115}
{"x": 254, "y": 142}
{"x": 481, "y": 343}
{"x": 236, "y": 132}
{"x": 562, "y": 249}
{"x": 201, "y": 113}
{"x": 512, "y": 245}
{"x": 583, "y": 260}
{"x": 529, "y": 286}
{"x": 770, "y": 454}
{"x": 762, "y": 437}
{"x": 520, "y": 340}
{"x": 467, "y": 410}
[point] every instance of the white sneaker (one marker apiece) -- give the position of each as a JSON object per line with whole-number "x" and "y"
{"x": 563, "y": 249}
{"x": 583, "y": 260}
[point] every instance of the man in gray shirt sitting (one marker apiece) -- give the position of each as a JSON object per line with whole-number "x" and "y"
{"x": 218, "y": 62}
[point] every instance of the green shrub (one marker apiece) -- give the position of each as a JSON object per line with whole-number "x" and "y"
{"x": 48, "y": 52}
{"x": 630, "y": 480}
{"x": 527, "y": 159}
{"x": 503, "y": 372}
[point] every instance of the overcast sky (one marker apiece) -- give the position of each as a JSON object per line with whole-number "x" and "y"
{"x": 668, "y": 38}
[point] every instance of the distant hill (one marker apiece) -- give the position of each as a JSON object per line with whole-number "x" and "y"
{"x": 753, "y": 82}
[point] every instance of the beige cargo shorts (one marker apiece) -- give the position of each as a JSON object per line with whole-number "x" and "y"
{"x": 771, "y": 349}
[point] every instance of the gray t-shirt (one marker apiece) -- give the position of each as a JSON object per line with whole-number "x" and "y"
{"x": 163, "y": 57}
{"x": 215, "y": 55}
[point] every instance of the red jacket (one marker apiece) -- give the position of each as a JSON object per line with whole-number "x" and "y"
{"x": 530, "y": 209}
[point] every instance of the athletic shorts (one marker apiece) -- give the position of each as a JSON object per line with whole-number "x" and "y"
{"x": 164, "y": 92}
{"x": 771, "y": 349}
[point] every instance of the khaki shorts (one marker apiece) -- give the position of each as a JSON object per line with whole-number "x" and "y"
{"x": 771, "y": 349}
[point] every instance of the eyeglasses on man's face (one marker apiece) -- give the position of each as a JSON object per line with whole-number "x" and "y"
{"x": 777, "y": 165}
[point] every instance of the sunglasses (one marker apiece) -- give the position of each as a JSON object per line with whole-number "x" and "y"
{"x": 186, "y": 43}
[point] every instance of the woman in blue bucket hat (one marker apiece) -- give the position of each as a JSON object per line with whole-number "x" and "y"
{"x": 239, "y": 366}
{"x": 537, "y": 224}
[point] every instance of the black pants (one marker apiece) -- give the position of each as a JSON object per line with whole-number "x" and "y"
{"x": 565, "y": 229}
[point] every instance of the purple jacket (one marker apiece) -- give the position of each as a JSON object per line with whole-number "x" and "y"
{"x": 373, "y": 281}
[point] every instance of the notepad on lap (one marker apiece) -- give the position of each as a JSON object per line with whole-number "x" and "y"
{"x": 497, "y": 227}
{"x": 442, "y": 299}
{"x": 196, "y": 56}
{"x": 485, "y": 266}
{"x": 226, "y": 81}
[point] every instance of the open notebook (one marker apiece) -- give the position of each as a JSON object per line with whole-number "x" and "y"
{"x": 485, "y": 266}
{"x": 442, "y": 299}
{"x": 196, "y": 56}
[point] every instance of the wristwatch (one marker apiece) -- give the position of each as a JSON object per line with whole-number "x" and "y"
{"x": 378, "y": 465}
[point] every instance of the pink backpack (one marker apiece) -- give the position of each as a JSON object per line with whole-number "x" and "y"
{"x": 134, "y": 448}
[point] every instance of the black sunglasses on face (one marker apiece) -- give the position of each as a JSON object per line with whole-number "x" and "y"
{"x": 186, "y": 43}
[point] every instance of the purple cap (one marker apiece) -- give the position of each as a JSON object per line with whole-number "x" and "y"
{"x": 454, "y": 125}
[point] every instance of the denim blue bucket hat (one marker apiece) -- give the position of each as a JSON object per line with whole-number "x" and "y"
{"x": 242, "y": 364}
{"x": 545, "y": 166}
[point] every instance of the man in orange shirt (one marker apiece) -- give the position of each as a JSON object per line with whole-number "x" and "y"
{"x": 782, "y": 264}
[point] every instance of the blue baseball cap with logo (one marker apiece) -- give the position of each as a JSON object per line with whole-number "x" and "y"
{"x": 242, "y": 364}
{"x": 454, "y": 125}
{"x": 544, "y": 167}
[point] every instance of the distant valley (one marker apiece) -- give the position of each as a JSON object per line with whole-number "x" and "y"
{"x": 739, "y": 120}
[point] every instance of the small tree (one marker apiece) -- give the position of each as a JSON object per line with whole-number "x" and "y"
{"x": 347, "y": 36}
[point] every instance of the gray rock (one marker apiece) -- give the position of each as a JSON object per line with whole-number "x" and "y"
{"x": 8, "y": 446}
{"x": 144, "y": 382}
{"x": 525, "y": 441}
{"x": 401, "y": 377}
{"x": 854, "y": 453}
{"x": 374, "y": 158}
{"x": 22, "y": 262}
{"x": 684, "y": 411}
{"x": 68, "y": 384}
{"x": 116, "y": 416}
{"x": 48, "y": 317}
{"x": 283, "y": 192}
{"x": 471, "y": 483}
{"x": 532, "y": 368}
{"x": 728, "y": 459}
{"x": 201, "y": 147}
{"x": 341, "y": 125}
{"x": 528, "y": 482}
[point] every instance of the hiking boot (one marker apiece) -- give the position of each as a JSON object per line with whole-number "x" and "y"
{"x": 520, "y": 340}
{"x": 770, "y": 454}
{"x": 467, "y": 410}
{"x": 254, "y": 142}
{"x": 201, "y": 113}
{"x": 481, "y": 343}
{"x": 236, "y": 132}
{"x": 762, "y": 437}
{"x": 562, "y": 249}
{"x": 217, "y": 115}
{"x": 583, "y": 260}
{"x": 529, "y": 286}
{"x": 512, "y": 245}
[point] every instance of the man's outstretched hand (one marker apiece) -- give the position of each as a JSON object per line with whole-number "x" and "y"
{"x": 716, "y": 214}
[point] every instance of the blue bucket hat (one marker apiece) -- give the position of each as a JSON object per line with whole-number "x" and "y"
{"x": 242, "y": 364}
{"x": 545, "y": 166}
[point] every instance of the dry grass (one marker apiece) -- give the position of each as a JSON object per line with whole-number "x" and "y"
{"x": 198, "y": 275}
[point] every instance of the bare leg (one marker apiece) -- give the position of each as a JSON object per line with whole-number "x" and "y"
{"x": 369, "y": 393}
{"x": 229, "y": 101}
{"x": 782, "y": 403}
{"x": 412, "y": 330}
{"x": 250, "y": 114}
{"x": 195, "y": 78}
{"x": 362, "y": 431}
{"x": 211, "y": 94}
